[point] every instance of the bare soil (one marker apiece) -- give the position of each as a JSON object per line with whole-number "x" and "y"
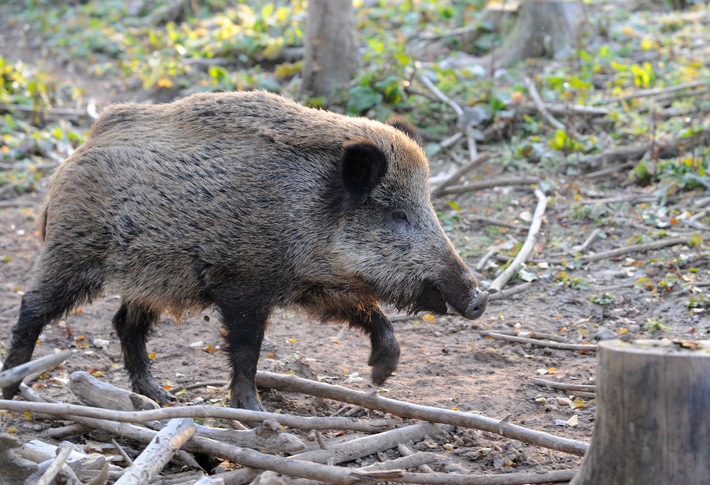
{"x": 445, "y": 361}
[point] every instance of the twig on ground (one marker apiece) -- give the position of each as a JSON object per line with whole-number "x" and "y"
{"x": 158, "y": 452}
{"x": 405, "y": 451}
{"x": 419, "y": 459}
{"x": 16, "y": 374}
{"x": 476, "y": 162}
{"x": 562, "y": 386}
{"x": 442, "y": 97}
{"x": 503, "y": 294}
{"x": 488, "y": 184}
{"x": 637, "y": 248}
{"x": 416, "y": 411}
{"x": 447, "y": 142}
{"x": 608, "y": 171}
{"x": 496, "y": 222}
{"x": 528, "y": 246}
{"x": 502, "y": 479}
{"x": 655, "y": 92}
{"x": 587, "y": 242}
{"x": 472, "y": 149}
{"x": 539, "y": 343}
{"x": 201, "y": 411}
{"x": 533, "y": 335}
{"x": 532, "y": 90}
{"x": 559, "y": 109}
{"x": 9, "y": 204}
{"x": 121, "y": 451}
{"x": 197, "y": 385}
{"x": 63, "y": 453}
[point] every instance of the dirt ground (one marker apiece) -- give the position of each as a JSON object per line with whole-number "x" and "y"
{"x": 445, "y": 361}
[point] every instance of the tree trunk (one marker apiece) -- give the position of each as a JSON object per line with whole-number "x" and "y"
{"x": 544, "y": 28}
{"x": 651, "y": 425}
{"x": 330, "y": 54}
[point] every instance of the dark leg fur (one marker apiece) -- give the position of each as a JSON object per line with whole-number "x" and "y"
{"x": 41, "y": 306}
{"x": 245, "y": 331}
{"x": 133, "y": 325}
{"x": 385, "y": 349}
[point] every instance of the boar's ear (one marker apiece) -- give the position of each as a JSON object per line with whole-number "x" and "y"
{"x": 363, "y": 167}
{"x": 407, "y": 128}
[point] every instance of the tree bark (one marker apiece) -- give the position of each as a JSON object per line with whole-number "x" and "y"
{"x": 330, "y": 53}
{"x": 651, "y": 425}
{"x": 544, "y": 28}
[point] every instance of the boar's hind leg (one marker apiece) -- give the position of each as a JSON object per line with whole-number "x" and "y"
{"x": 45, "y": 303}
{"x": 385, "y": 349}
{"x": 245, "y": 331}
{"x": 133, "y": 323}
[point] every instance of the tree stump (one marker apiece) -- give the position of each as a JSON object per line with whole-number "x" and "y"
{"x": 330, "y": 57}
{"x": 652, "y": 424}
{"x": 544, "y": 28}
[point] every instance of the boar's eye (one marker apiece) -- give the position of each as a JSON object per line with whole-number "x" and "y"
{"x": 399, "y": 215}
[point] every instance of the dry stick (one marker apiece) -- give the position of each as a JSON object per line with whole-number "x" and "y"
{"x": 121, "y": 451}
{"x": 447, "y": 142}
{"x": 444, "y": 98}
{"x": 533, "y": 335}
{"x": 368, "y": 445}
{"x": 405, "y": 451}
{"x": 657, "y": 91}
{"x": 472, "y": 148}
{"x": 501, "y": 295}
{"x": 588, "y": 241}
{"x": 563, "y": 386}
{"x": 564, "y": 109}
{"x": 197, "y": 385}
{"x": 158, "y": 452}
{"x": 528, "y": 246}
{"x": 541, "y": 106}
{"x": 7, "y": 204}
{"x": 420, "y": 459}
{"x": 16, "y": 374}
{"x": 476, "y": 162}
{"x": 496, "y": 222}
{"x": 63, "y": 453}
{"x": 488, "y": 184}
{"x": 502, "y": 479}
{"x": 539, "y": 343}
{"x": 417, "y": 411}
{"x": 608, "y": 171}
{"x": 201, "y": 411}
{"x": 637, "y": 248}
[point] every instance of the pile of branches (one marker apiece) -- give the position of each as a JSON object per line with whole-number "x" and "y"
{"x": 267, "y": 447}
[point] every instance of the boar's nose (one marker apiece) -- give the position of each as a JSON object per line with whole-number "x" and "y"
{"x": 479, "y": 300}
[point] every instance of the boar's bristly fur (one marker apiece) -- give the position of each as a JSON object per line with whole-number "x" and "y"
{"x": 246, "y": 201}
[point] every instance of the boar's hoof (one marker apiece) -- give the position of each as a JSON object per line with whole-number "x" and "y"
{"x": 248, "y": 401}
{"x": 153, "y": 391}
{"x": 383, "y": 361}
{"x": 10, "y": 391}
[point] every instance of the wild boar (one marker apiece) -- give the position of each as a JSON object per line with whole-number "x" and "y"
{"x": 246, "y": 201}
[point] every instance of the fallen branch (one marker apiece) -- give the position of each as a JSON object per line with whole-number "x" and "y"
{"x": 442, "y": 97}
{"x": 533, "y": 335}
{"x": 201, "y": 411}
{"x": 502, "y": 479}
{"x": 16, "y": 374}
{"x": 563, "y": 109}
{"x": 99, "y": 394}
{"x": 503, "y": 294}
{"x": 412, "y": 460}
{"x": 405, "y": 452}
{"x": 477, "y": 162}
{"x": 417, "y": 411}
{"x": 561, "y": 386}
{"x": 655, "y": 92}
{"x": 539, "y": 343}
{"x": 496, "y": 222}
{"x": 158, "y": 452}
{"x": 537, "y": 100}
{"x": 637, "y": 248}
{"x": 369, "y": 445}
{"x": 63, "y": 453}
{"x": 528, "y": 246}
{"x": 488, "y": 184}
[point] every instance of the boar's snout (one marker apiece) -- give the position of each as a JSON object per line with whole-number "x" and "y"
{"x": 477, "y": 305}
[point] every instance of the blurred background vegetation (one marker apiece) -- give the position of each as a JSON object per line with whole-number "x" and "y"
{"x": 61, "y": 62}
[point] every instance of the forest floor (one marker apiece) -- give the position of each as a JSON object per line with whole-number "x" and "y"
{"x": 446, "y": 361}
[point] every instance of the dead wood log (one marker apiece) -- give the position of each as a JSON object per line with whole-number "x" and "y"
{"x": 528, "y": 246}
{"x": 652, "y": 397}
{"x": 416, "y": 411}
{"x": 158, "y": 452}
{"x": 56, "y": 465}
{"x": 15, "y": 468}
{"x": 405, "y": 452}
{"x": 16, "y": 374}
{"x": 368, "y": 445}
{"x": 266, "y": 436}
{"x": 94, "y": 392}
{"x": 70, "y": 411}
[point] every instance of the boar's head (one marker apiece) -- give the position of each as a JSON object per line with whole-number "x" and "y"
{"x": 389, "y": 235}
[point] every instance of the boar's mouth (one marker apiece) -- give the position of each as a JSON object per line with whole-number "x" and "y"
{"x": 431, "y": 298}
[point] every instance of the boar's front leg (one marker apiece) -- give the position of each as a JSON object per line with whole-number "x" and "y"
{"x": 133, "y": 324}
{"x": 245, "y": 327}
{"x": 385, "y": 349}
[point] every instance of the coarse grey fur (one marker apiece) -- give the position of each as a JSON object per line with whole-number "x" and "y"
{"x": 246, "y": 201}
